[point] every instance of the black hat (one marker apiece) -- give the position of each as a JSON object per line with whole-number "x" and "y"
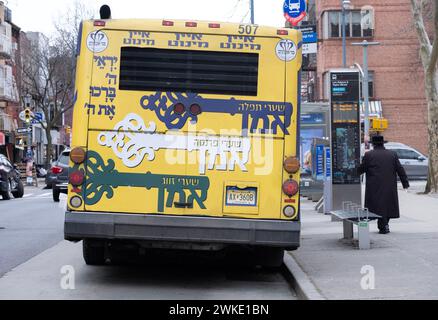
{"x": 378, "y": 140}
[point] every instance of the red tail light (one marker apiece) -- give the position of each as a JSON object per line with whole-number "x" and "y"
{"x": 76, "y": 178}
{"x": 195, "y": 109}
{"x": 290, "y": 187}
{"x": 191, "y": 24}
{"x": 99, "y": 23}
{"x": 179, "y": 108}
{"x": 214, "y": 25}
{"x": 282, "y": 32}
{"x": 167, "y": 23}
{"x": 56, "y": 170}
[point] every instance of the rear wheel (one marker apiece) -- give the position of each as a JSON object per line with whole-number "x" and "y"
{"x": 19, "y": 193}
{"x": 7, "y": 195}
{"x": 56, "y": 192}
{"x": 93, "y": 252}
{"x": 270, "y": 257}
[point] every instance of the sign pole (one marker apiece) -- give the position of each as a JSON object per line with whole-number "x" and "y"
{"x": 251, "y": 3}
{"x": 365, "y": 92}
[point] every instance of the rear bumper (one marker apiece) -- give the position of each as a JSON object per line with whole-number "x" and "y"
{"x": 81, "y": 225}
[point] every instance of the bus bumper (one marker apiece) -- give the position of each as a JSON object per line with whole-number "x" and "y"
{"x": 92, "y": 225}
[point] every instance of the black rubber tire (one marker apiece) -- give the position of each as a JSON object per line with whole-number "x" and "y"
{"x": 56, "y": 192}
{"x": 7, "y": 195}
{"x": 20, "y": 191}
{"x": 93, "y": 252}
{"x": 270, "y": 257}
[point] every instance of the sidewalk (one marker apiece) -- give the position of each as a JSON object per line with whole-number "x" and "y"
{"x": 405, "y": 261}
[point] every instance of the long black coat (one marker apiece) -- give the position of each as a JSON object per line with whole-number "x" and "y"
{"x": 381, "y": 167}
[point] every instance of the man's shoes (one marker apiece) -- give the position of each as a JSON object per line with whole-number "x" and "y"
{"x": 385, "y": 230}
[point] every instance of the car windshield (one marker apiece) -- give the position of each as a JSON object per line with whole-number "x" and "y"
{"x": 64, "y": 158}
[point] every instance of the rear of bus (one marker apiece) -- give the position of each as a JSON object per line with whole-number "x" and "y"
{"x": 185, "y": 136}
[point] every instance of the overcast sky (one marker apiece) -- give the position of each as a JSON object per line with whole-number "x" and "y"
{"x": 39, "y": 15}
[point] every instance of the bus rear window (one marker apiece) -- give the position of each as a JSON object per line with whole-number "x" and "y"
{"x": 167, "y": 70}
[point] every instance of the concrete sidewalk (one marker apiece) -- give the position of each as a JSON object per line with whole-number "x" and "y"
{"x": 405, "y": 261}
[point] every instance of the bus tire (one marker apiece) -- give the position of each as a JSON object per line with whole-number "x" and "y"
{"x": 93, "y": 252}
{"x": 270, "y": 257}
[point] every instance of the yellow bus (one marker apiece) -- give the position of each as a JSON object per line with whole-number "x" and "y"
{"x": 185, "y": 136}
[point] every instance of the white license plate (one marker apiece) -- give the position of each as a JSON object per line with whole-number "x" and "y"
{"x": 247, "y": 197}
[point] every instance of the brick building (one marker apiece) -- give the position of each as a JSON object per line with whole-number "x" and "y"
{"x": 9, "y": 94}
{"x": 396, "y": 75}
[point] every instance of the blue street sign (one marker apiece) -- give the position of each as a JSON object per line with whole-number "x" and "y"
{"x": 320, "y": 162}
{"x": 309, "y": 33}
{"x": 294, "y": 10}
{"x": 328, "y": 163}
{"x": 38, "y": 117}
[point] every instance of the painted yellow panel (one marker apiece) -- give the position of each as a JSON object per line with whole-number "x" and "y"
{"x": 143, "y": 159}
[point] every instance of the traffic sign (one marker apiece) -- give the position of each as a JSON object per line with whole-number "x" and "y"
{"x": 38, "y": 118}
{"x": 294, "y": 11}
{"x": 24, "y": 130}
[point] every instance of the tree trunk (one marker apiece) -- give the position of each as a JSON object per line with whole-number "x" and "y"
{"x": 48, "y": 161}
{"x": 432, "y": 105}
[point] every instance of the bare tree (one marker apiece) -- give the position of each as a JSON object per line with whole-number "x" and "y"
{"x": 429, "y": 58}
{"x": 49, "y": 71}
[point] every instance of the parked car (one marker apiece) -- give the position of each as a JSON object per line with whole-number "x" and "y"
{"x": 413, "y": 161}
{"x": 57, "y": 177}
{"x": 10, "y": 181}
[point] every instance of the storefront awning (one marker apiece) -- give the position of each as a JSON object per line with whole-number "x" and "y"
{"x": 374, "y": 111}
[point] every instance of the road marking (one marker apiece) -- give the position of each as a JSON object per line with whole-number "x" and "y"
{"x": 44, "y": 195}
{"x": 28, "y": 195}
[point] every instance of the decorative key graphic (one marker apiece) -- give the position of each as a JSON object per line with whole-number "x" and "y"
{"x": 131, "y": 140}
{"x": 102, "y": 179}
{"x": 256, "y": 111}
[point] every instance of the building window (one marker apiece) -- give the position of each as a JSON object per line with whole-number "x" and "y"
{"x": 354, "y": 26}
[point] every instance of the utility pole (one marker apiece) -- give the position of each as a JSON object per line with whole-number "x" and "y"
{"x": 365, "y": 92}
{"x": 344, "y": 4}
{"x": 251, "y": 4}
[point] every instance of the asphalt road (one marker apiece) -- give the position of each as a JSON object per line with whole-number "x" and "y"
{"x": 28, "y": 226}
{"x": 34, "y": 263}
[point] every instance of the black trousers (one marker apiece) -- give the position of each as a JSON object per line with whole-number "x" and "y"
{"x": 382, "y": 223}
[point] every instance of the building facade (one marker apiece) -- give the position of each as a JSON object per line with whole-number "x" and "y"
{"x": 396, "y": 75}
{"x": 9, "y": 91}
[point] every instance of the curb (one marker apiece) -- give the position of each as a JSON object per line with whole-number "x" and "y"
{"x": 299, "y": 280}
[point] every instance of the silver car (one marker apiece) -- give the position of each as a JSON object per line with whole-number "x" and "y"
{"x": 415, "y": 163}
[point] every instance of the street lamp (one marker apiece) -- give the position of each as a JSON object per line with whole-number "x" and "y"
{"x": 365, "y": 92}
{"x": 345, "y": 4}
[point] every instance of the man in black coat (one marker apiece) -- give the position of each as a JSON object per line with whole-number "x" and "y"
{"x": 381, "y": 167}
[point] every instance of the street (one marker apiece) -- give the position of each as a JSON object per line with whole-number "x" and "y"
{"x": 34, "y": 258}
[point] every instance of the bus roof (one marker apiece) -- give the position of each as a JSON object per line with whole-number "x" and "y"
{"x": 194, "y": 26}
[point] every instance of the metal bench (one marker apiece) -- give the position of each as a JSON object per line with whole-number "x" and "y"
{"x": 353, "y": 214}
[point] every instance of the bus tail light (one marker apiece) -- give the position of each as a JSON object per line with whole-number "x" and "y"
{"x": 282, "y": 32}
{"x": 76, "y": 202}
{"x": 168, "y": 23}
{"x": 195, "y": 109}
{"x": 77, "y": 155}
{"x": 291, "y": 165}
{"x": 99, "y": 23}
{"x": 214, "y": 25}
{"x": 290, "y": 187}
{"x": 191, "y": 24}
{"x": 56, "y": 170}
{"x": 76, "y": 178}
{"x": 289, "y": 211}
{"x": 179, "y": 108}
